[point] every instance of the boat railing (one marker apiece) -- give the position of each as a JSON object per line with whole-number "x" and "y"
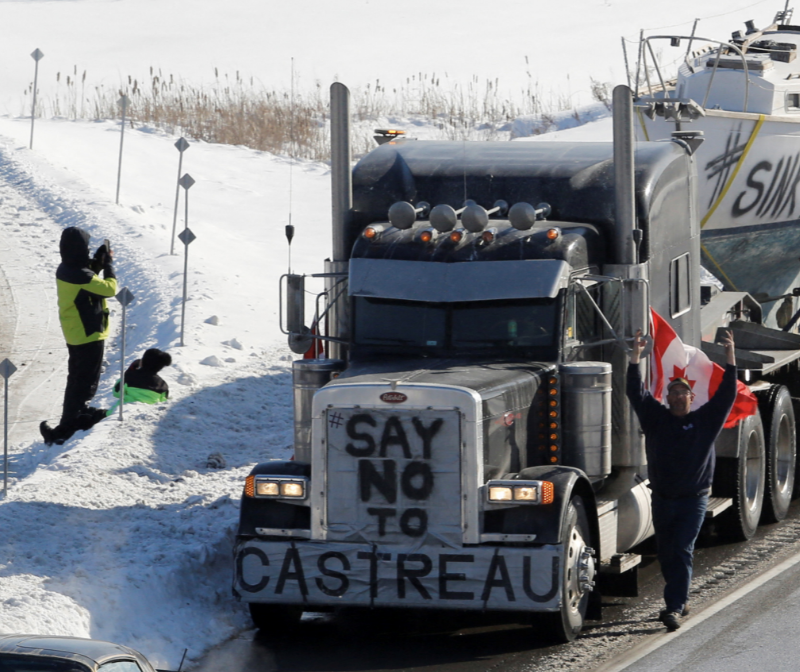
{"x": 645, "y": 47}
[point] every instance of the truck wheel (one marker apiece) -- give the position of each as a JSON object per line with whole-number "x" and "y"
{"x": 577, "y": 578}
{"x": 777, "y": 416}
{"x": 275, "y": 617}
{"x": 745, "y": 476}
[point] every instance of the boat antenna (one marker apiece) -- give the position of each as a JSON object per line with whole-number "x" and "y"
{"x": 464, "y": 163}
{"x": 689, "y": 46}
{"x": 627, "y": 67}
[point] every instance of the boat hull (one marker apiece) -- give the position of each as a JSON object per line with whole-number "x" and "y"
{"x": 748, "y": 198}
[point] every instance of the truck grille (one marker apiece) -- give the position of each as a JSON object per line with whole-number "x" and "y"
{"x": 394, "y": 477}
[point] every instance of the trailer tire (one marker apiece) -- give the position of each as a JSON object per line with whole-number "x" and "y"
{"x": 796, "y": 409}
{"x": 565, "y": 625}
{"x": 275, "y": 617}
{"x": 745, "y": 475}
{"x": 777, "y": 416}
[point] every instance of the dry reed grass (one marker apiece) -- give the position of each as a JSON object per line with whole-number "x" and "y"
{"x": 238, "y": 112}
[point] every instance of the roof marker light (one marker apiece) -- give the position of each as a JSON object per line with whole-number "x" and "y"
{"x": 554, "y": 233}
{"x": 426, "y": 235}
{"x": 457, "y": 236}
{"x": 489, "y": 235}
{"x": 373, "y": 232}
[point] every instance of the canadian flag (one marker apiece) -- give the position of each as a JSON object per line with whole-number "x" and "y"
{"x": 672, "y": 358}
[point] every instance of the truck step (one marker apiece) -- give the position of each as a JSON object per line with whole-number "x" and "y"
{"x": 621, "y": 562}
{"x": 717, "y": 505}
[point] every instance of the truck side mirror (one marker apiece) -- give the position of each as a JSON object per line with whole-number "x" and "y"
{"x": 295, "y": 303}
{"x": 300, "y": 338}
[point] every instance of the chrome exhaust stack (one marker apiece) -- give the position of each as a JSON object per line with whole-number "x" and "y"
{"x": 625, "y": 248}
{"x": 336, "y": 268}
{"x": 628, "y": 300}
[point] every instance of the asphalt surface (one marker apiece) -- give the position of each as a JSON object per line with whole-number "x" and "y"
{"x": 754, "y": 627}
{"x": 30, "y": 335}
{"x": 452, "y": 642}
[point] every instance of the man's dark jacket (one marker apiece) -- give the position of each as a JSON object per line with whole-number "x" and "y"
{"x": 680, "y": 450}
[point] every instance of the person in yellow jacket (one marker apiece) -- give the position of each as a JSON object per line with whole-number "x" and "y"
{"x": 83, "y": 313}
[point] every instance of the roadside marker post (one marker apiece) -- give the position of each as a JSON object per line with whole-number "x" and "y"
{"x": 123, "y": 103}
{"x": 181, "y": 145}
{"x": 37, "y": 56}
{"x": 186, "y": 237}
{"x": 125, "y": 297}
{"x": 6, "y": 370}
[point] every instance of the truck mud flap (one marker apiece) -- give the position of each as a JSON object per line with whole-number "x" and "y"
{"x": 340, "y": 574}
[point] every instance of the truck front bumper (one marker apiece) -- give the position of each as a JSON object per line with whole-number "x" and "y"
{"x": 327, "y": 574}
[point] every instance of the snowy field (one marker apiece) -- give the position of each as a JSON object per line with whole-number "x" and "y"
{"x": 125, "y": 533}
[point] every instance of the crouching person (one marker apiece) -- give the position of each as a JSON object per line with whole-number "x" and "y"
{"x": 142, "y": 382}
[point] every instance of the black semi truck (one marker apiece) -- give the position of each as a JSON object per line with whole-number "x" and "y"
{"x": 466, "y": 442}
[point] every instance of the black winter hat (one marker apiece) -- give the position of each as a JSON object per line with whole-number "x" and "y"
{"x": 74, "y": 246}
{"x": 154, "y": 360}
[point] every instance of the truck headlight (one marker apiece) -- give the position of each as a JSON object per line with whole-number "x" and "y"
{"x": 526, "y": 494}
{"x": 523, "y": 492}
{"x": 293, "y": 489}
{"x": 500, "y": 494}
{"x": 276, "y": 487}
{"x": 267, "y": 489}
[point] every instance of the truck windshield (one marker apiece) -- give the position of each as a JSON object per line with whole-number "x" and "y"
{"x": 527, "y": 326}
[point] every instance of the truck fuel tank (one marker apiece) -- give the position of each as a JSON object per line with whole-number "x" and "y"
{"x": 308, "y": 375}
{"x": 586, "y": 403}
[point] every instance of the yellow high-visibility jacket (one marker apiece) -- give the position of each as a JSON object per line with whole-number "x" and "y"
{"x": 82, "y": 293}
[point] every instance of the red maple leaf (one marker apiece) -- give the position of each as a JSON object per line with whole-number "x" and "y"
{"x": 681, "y": 373}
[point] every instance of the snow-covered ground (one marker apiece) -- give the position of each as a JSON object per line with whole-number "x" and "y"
{"x": 124, "y": 533}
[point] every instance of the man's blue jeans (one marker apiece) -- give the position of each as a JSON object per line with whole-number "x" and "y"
{"x": 677, "y": 523}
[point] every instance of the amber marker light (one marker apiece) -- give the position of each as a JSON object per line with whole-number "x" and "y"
{"x": 548, "y": 491}
{"x": 553, "y": 414}
{"x": 371, "y": 233}
{"x": 554, "y": 448}
{"x": 553, "y": 391}
{"x": 553, "y": 425}
{"x": 553, "y": 233}
{"x": 553, "y": 459}
{"x": 426, "y": 236}
{"x": 553, "y": 402}
{"x": 487, "y": 236}
{"x": 456, "y": 236}
{"x": 249, "y": 486}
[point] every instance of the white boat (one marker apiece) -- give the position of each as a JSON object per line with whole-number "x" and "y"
{"x": 743, "y": 95}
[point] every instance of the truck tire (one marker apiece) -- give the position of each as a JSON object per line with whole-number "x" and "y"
{"x": 275, "y": 617}
{"x": 777, "y": 416}
{"x": 565, "y": 625}
{"x": 745, "y": 477}
{"x": 796, "y": 409}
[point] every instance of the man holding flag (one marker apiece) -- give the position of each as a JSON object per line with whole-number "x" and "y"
{"x": 679, "y": 443}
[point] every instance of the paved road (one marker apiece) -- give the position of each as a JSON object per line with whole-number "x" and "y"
{"x": 30, "y": 335}
{"x": 753, "y": 628}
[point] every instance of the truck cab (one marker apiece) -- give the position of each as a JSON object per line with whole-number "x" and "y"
{"x": 466, "y": 442}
